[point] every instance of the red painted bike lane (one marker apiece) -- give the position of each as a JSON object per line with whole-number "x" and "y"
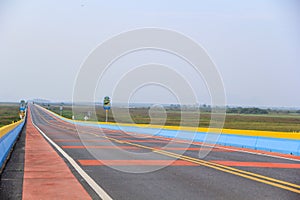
{"x": 46, "y": 175}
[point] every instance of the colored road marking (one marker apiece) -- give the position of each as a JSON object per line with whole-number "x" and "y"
{"x": 88, "y": 140}
{"x": 249, "y": 175}
{"x": 131, "y": 147}
{"x": 45, "y": 172}
{"x": 100, "y": 192}
{"x": 195, "y": 149}
{"x": 121, "y": 136}
{"x": 145, "y": 141}
{"x": 79, "y": 140}
{"x": 136, "y": 162}
{"x": 236, "y": 149}
{"x": 99, "y": 147}
{"x": 242, "y": 173}
{"x": 258, "y": 164}
{"x": 244, "y": 150}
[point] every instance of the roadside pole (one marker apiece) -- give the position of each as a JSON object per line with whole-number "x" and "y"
{"x": 61, "y": 108}
{"x": 106, "y": 115}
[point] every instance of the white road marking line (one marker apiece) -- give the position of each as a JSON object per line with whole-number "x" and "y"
{"x": 101, "y": 193}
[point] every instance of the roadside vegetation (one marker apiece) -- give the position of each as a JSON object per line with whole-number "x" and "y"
{"x": 9, "y": 112}
{"x": 236, "y": 118}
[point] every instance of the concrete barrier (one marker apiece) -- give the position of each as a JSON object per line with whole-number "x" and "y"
{"x": 278, "y": 145}
{"x": 286, "y": 146}
{"x": 7, "y": 141}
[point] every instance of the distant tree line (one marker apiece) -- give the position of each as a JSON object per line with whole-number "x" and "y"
{"x": 240, "y": 110}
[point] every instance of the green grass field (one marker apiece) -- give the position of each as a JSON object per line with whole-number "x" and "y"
{"x": 9, "y": 112}
{"x": 271, "y": 122}
{"x": 268, "y": 122}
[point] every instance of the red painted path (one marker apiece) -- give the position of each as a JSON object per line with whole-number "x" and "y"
{"x": 46, "y": 175}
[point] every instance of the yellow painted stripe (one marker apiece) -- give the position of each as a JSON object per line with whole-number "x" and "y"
{"x": 249, "y": 175}
{"x": 270, "y": 134}
{"x": 7, "y": 128}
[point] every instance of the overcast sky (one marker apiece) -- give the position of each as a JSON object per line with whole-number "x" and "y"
{"x": 254, "y": 44}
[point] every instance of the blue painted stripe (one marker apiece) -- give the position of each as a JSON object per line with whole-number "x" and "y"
{"x": 7, "y": 141}
{"x": 286, "y": 146}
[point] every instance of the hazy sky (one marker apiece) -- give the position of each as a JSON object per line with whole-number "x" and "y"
{"x": 254, "y": 44}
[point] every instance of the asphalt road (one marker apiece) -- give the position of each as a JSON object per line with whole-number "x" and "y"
{"x": 238, "y": 175}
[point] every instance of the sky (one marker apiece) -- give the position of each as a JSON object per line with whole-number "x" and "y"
{"x": 254, "y": 44}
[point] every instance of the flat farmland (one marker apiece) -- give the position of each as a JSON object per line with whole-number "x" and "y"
{"x": 273, "y": 121}
{"x": 9, "y": 112}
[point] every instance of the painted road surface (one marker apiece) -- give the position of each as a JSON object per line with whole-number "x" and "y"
{"x": 225, "y": 173}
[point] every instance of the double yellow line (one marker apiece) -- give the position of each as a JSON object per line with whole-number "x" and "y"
{"x": 249, "y": 175}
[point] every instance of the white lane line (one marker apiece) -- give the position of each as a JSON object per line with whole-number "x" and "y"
{"x": 101, "y": 193}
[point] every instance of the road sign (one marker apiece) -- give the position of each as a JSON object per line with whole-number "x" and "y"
{"x": 22, "y": 105}
{"x": 61, "y": 107}
{"x": 106, "y": 106}
{"x": 106, "y": 103}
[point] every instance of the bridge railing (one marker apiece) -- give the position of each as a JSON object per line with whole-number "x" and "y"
{"x": 8, "y": 137}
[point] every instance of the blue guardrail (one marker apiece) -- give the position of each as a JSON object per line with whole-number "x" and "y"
{"x": 7, "y": 142}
